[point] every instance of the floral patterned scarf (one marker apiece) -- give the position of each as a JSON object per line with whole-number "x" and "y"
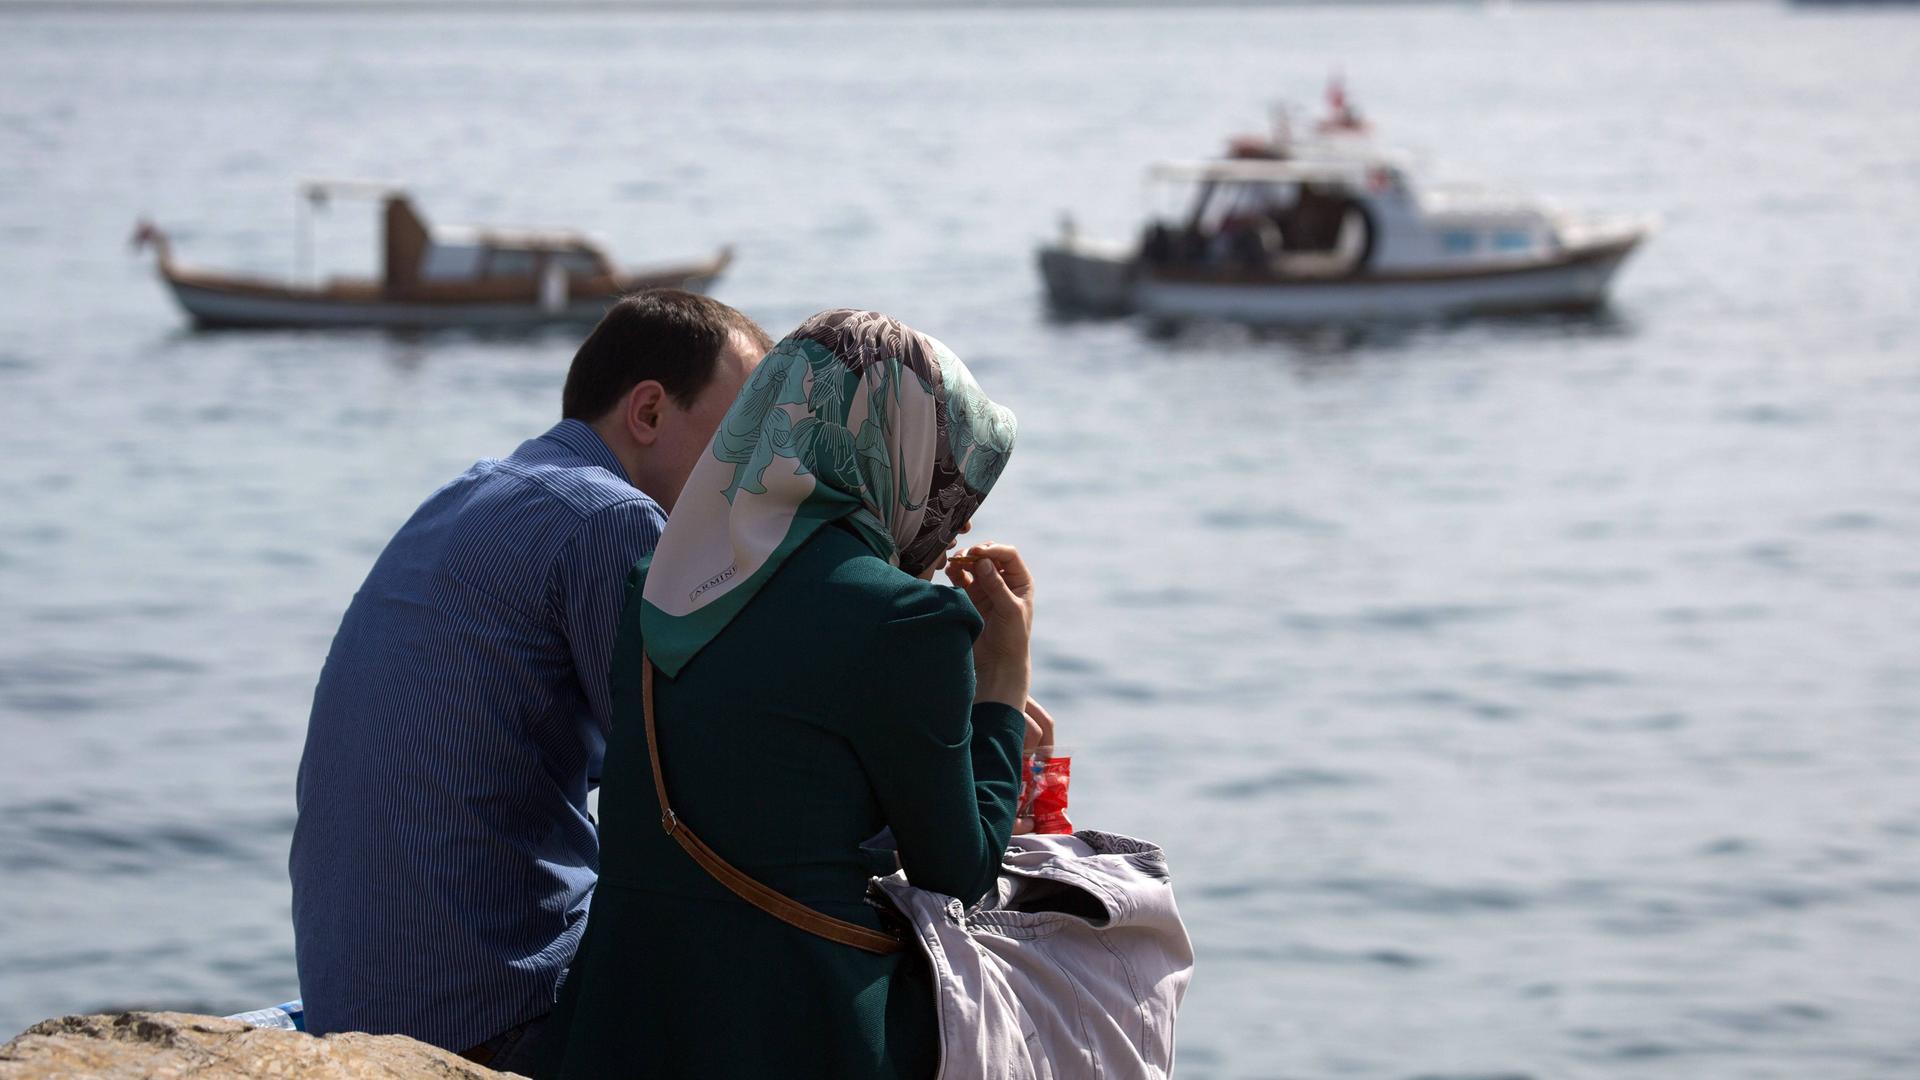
{"x": 854, "y": 417}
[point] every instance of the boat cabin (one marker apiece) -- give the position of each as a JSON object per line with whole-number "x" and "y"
{"x": 1339, "y": 217}
{"x": 423, "y": 261}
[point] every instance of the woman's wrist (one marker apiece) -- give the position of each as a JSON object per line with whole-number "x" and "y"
{"x": 1009, "y": 698}
{"x": 1004, "y": 689}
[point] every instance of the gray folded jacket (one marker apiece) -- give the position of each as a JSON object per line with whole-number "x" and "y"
{"x": 1075, "y": 969}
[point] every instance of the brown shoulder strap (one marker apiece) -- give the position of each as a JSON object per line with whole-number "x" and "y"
{"x": 779, "y": 905}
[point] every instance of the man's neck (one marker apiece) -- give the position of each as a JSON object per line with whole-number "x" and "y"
{"x": 631, "y": 458}
{"x": 634, "y": 461}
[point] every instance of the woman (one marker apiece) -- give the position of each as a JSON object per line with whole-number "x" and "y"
{"x": 812, "y": 687}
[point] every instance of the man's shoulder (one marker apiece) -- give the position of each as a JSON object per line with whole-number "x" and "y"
{"x": 568, "y": 519}
{"x": 503, "y": 514}
{"x": 571, "y": 465}
{"x": 581, "y": 489}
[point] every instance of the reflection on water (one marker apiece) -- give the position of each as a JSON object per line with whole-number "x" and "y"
{"x": 1332, "y": 342}
{"x": 1516, "y": 697}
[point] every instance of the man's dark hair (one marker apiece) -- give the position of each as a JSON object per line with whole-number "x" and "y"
{"x": 668, "y": 335}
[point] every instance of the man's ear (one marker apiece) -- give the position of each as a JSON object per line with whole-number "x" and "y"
{"x": 640, "y": 411}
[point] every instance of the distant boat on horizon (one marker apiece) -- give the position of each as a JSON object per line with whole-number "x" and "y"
{"x": 1334, "y": 228}
{"x": 431, "y": 276}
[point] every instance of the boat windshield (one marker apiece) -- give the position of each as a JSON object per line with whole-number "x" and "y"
{"x": 1262, "y": 225}
{"x": 512, "y": 263}
{"x": 578, "y": 262}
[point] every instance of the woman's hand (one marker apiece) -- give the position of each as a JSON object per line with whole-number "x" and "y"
{"x": 996, "y": 580}
{"x": 1039, "y": 728}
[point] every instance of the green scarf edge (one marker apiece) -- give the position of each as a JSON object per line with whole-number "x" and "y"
{"x": 674, "y": 640}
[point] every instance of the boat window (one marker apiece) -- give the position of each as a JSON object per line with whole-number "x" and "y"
{"x": 450, "y": 262}
{"x": 508, "y": 263}
{"x": 1277, "y": 194}
{"x": 1457, "y": 242}
{"x": 577, "y": 263}
{"x": 1512, "y": 240}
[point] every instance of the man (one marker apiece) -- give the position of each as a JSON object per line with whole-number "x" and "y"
{"x": 443, "y": 858}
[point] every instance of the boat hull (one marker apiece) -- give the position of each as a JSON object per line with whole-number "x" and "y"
{"x": 1574, "y": 281}
{"x": 213, "y": 304}
{"x": 1082, "y": 280}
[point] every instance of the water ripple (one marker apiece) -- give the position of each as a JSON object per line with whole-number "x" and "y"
{"x": 1282, "y": 780}
{"x": 1415, "y": 618}
{"x": 1282, "y": 519}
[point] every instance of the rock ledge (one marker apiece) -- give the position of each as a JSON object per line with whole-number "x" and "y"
{"x": 165, "y": 1045}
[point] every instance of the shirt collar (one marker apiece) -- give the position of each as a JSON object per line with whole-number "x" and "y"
{"x": 583, "y": 441}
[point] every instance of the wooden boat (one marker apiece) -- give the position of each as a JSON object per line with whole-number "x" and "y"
{"x": 1336, "y": 229}
{"x": 431, "y": 277}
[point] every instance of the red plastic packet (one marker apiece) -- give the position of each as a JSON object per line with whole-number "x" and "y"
{"x": 1043, "y": 791}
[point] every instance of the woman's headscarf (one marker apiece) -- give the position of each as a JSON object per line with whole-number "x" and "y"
{"x": 854, "y": 416}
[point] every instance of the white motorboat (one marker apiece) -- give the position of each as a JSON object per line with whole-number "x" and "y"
{"x": 432, "y": 276}
{"x": 1336, "y": 229}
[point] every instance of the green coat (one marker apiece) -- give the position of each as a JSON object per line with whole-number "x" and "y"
{"x": 838, "y": 702}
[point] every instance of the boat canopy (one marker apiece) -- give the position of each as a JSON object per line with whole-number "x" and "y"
{"x": 462, "y": 252}
{"x": 1256, "y": 171}
{"x": 319, "y": 191}
{"x": 416, "y": 252}
{"x": 527, "y": 239}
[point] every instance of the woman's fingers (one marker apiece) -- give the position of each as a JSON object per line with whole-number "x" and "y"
{"x": 1005, "y": 558}
{"x": 959, "y": 575}
{"x": 989, "y": 591}
{"x": 1002, "y": 666}
{"x": 1040, "y": 726}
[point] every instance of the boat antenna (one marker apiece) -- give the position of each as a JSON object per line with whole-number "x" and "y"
{"x": 1280, "y": 124}
{"x": 1341, "y": 115}
{"x": 313, "y": 195}
{"x": 307, "y": 199}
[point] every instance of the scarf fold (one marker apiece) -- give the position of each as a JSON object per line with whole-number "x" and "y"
{"x": 854, "y": 416}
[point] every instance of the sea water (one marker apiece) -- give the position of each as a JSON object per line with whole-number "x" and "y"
{"x": 1515, "y": 698}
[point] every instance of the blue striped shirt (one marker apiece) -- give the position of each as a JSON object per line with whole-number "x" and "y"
{"x": 443, "y": 857}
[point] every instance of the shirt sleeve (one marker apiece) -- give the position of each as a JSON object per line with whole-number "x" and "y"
{"x": 590, "y": 588}
{"x": 945, "y": 771}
